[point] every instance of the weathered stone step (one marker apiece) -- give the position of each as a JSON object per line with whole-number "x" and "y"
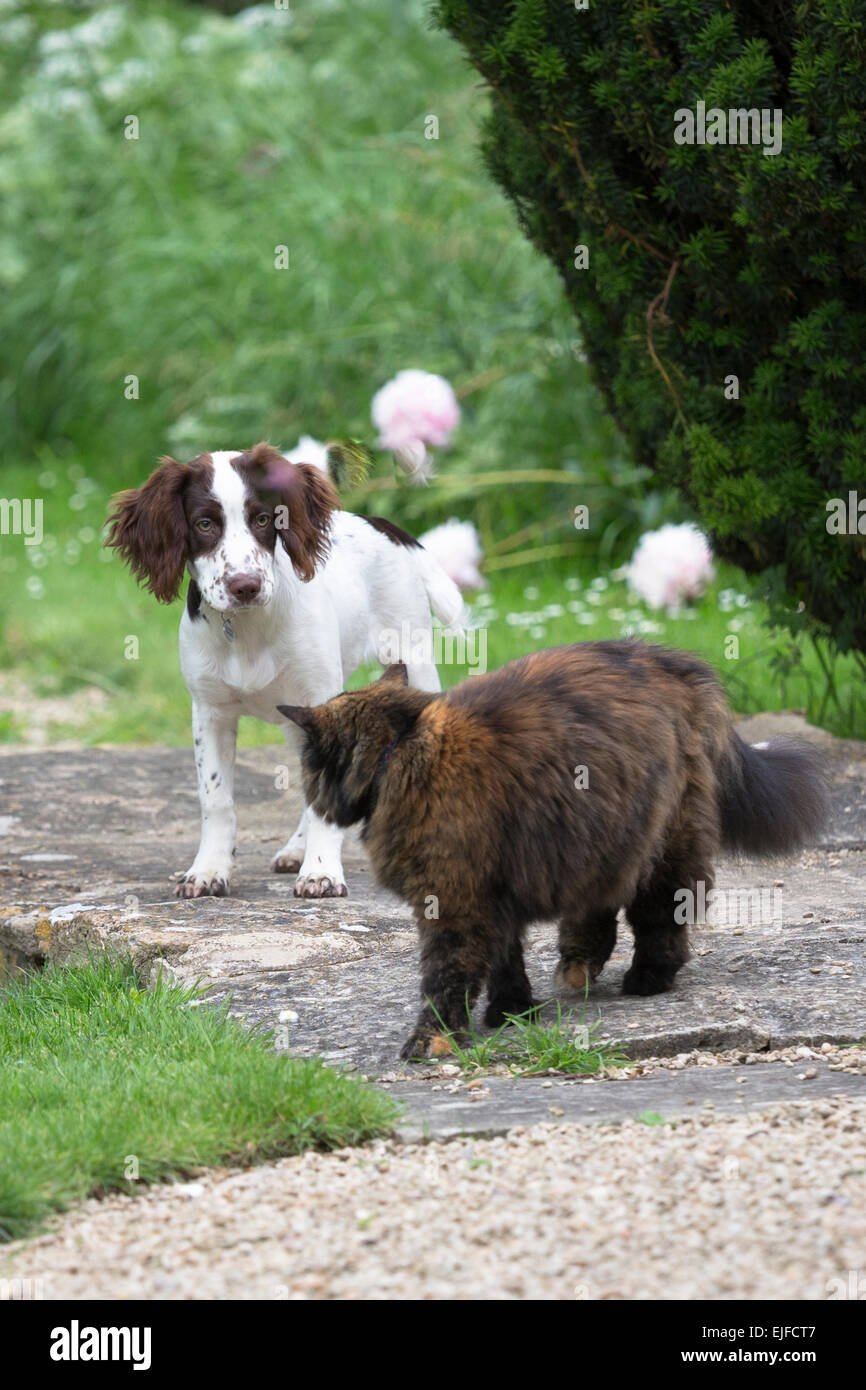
{"x": 89, "y": 839}
{"x": 506, "y": 1103}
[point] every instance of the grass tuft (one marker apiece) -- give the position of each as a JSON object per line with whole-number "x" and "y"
{"x": 529, "y": 1047}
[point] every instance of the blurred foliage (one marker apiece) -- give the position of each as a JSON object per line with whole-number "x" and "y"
{"x": 706, "y": 262}
{"x": 154, "y": 257}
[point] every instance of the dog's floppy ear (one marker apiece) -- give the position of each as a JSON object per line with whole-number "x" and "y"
{"x": 310, "y": 500}
{"x": 147, "y": 525}
{"x": 396, "y": 673}
{"x": 303, "y": 513}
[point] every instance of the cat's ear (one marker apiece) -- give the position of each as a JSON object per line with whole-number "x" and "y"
{"x": 302, "y": 715}
{"x": 396, "y": 673}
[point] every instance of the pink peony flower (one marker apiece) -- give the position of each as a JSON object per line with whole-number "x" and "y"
{"x": 415, "y": 408}
{"x": 671, "y": 566}
{"x": 457, "y": 547}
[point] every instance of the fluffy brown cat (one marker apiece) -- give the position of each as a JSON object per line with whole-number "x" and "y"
{"x": 566, "y": 785}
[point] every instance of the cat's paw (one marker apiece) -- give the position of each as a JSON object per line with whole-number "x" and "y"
{"x": 502, "y": 1010}
{"x": 646, "y": 979}
{"x": 424, "y": 1043}
{"x": 574, "y": 974}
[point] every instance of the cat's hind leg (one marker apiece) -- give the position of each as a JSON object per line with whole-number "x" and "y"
{"x": 661, "y": 943}
{"x": 585, "y": 946}
{"x": 508, "y": 987}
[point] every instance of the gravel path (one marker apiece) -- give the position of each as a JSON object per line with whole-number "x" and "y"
{"x": 748, "y": 1206}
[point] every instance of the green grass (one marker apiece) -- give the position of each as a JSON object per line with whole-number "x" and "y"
{"x": 99, "y": 1078}
{"x": 528, "y": 1046}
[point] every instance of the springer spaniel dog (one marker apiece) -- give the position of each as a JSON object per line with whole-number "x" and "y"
{"x": 287, "y": 596}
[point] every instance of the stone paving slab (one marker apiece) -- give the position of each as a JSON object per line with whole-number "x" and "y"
{"x": 89, "y": 839}
{"x": 505, "y": 1102}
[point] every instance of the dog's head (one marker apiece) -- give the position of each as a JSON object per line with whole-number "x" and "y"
{"x": 348, "y": 743}
{"x": 222, "y": 517}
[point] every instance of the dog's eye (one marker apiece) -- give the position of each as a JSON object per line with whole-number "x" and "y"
{"x": 204, "y": 524}
{"x": 263, "y": 519}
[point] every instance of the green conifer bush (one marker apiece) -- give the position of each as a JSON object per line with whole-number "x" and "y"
{"x": 722, "y": 289}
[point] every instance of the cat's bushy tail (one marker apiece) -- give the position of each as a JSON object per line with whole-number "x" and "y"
{"x": 773, "y": 797}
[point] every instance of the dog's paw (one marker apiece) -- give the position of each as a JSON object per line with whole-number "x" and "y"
{"x": 198, "y": 884}
{"x": 286, "y": 863}
{"x": 320, "y": 886}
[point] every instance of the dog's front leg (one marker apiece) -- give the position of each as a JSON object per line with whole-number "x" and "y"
{"x": 291, "y": 856}
{"x": 315, "y": 847}
{"x": 214, "y": 739}
{"x": 321, "y": 873}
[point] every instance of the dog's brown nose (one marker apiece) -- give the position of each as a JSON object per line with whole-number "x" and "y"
{"x": 244, "y": 587}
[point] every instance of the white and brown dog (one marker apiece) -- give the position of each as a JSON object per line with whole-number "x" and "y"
{"x": 287, "y": 595}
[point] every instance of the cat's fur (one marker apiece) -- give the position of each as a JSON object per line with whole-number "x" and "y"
{"x": 477, "y": 813}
